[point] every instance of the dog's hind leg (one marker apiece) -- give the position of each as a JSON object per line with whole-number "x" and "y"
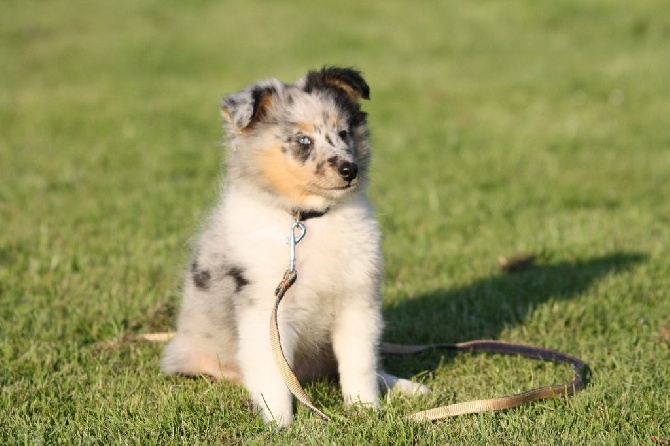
{"x": 184, "y": 357}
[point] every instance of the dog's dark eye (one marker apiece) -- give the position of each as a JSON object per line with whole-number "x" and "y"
{"x": 343, "y": 134}
{"x": 304, "y": 141}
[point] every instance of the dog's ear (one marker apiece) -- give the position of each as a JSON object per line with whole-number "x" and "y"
{"x": 246, "y": 108}
{"x": 346, "y": 80}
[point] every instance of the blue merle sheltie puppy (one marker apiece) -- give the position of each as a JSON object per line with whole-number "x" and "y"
{"x": 293, "y": 150}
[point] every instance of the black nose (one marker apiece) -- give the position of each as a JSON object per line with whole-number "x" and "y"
{"x": 348, "y": 170}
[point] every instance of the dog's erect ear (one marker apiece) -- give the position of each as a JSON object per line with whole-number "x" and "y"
{"x": 347, "y": 80}
{"x": 244, "y": 109}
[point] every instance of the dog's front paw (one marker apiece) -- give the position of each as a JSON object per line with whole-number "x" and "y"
{"x": 360, "y": 389}
{"x": 274, "y": 408}
{"x": 368, "y": 401}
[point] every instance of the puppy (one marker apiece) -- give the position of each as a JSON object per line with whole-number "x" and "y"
{"x": 295, "y": 151}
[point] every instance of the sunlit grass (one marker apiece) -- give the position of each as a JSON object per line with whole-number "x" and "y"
{"x": 498, "y": 127}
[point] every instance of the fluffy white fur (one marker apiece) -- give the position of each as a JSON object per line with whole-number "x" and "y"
{"x": 330, "y": 320}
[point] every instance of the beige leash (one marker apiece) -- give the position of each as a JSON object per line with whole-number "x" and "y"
{"x": 483, "y": 405}
{"x": 452, "y": 410}
{"x": 290, "y": 379}
{"x": 505, "y": 402}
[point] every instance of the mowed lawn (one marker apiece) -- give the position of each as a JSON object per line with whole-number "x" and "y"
{"x": 499, "y": 127}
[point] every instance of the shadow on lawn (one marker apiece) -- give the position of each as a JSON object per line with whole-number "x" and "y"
{"x": 483, "y": 309}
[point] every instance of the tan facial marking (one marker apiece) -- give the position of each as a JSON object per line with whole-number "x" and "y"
{"x": 306, "y": 127}
{"x": 286, "y": 178}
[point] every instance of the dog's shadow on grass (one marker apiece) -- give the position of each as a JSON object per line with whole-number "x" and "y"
{"x": 483, "y": 309}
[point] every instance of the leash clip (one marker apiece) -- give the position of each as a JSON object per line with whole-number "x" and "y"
{"x": 293, "y": 240}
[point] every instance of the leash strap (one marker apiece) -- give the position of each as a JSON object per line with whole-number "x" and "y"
{"x": 505, "y": 402}
{"x": 289, "y": 279}
{"x": 298, "y": 231}
{"x": 452, "y": 410}
{"x": 290, "y": 379}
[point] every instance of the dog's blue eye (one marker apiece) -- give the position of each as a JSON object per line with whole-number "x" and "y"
{"x": 343, "y": 134}
{"x": 304, "y": 141}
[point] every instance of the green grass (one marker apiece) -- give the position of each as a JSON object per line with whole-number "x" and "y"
{"x": 498, "y": 127}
